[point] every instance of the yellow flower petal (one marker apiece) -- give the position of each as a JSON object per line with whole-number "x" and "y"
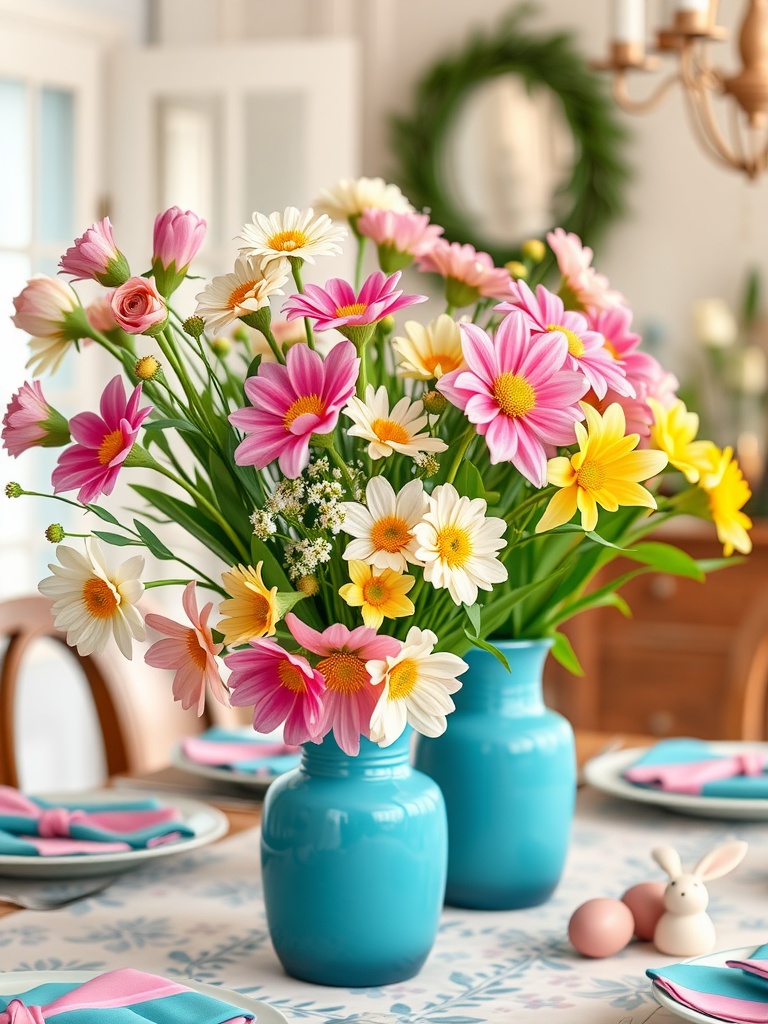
{"x": 561, "y": 509}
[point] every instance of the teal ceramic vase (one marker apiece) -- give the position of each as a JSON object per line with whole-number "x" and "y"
{"x": 354, "y": 853}
{"x": 507, "y": 769}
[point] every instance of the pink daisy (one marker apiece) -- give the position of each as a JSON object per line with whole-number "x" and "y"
{"x": 468, "y": 273}
{"x": 517, "y": 393}
{"x": 282, "y": 687}
{"x": 291, "y": 402}
{"x": 191, "y": 651}
{"x": 590, "y": 289}
{"x": 30, "y": 422}
{"x": 95, "y": 255}
{"x": 586, "y": 348}
{"x": 399, "y": 236}
{"x": 614, "y": 324}
{"x": 337, "y": 306}
{"x": 102, "y": 443}
{"x": 349, "y": 696}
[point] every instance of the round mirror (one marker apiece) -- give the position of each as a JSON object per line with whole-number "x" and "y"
{"x": 511, "y": 137}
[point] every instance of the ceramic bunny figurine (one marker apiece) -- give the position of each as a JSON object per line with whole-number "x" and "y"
{"x": 685, "y": 928}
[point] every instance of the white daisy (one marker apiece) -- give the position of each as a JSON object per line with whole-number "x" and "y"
{"x": 291, "y": 233}
{"x": 384, "y": 530}
{"x": 246, "y": 290}
{"x": 457, "y": 544}
{"x": 351, "y": 196}
{"x": 431, "y": 350}
{"x": 91, "y": 603}
{"x": 388, "y": 432}
{"x": 417, "y": 684}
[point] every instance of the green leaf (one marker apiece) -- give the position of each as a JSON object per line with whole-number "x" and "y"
{"x": 155, "y": 545}
{"x": 666, "y": 558}
{"x": 190, "y": 518}
{"x": 117, "y": 539}
{"x": 473, "y": 614}
{"x": 286, "y": 601}
{"x": 563, "y": 652}
{"x": 253, "y": 366}
{"x": 172, "y": 424}
{"x": 601, "y": 540}
{"x": 485, "y": 646}
{"x": 468, "y": 481}
{"x": 104, "y": 514}
{"x": 273, "y": 571}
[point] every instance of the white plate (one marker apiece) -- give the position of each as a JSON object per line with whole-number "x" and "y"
{"x": 207, "y": 823}
{"x": 248, "y": 780}
{"x": 604, "y": 772}
{"x": 21, "y": 981}
{"x": 712, "y": 960}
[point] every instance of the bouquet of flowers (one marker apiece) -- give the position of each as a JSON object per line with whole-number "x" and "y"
{"x": 370, "y": 498}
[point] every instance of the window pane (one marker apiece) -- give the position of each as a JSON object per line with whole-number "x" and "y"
{"x": 15, "y": 192}
{"x": 275, "y": 155}
{"x": 189, "y": 150}
{"x": 55, "y": 175}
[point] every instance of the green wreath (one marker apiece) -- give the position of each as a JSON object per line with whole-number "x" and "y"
{"x": 595, "y": 190}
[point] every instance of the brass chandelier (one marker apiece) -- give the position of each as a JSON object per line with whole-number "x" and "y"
{"x": 737, "y": 136}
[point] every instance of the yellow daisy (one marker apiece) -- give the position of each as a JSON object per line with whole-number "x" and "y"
{"x": 728, "y": 492}
{"x": 673, "y": 432}
{"x": 379, "y": 594}
{"x": 428, "y": 352}
{"x": 605, "y": 471}
{"x": 251, "y": 609}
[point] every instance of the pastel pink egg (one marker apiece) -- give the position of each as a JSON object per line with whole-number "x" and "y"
{"x": 601, "y": 927}
{"x": 646, "y": 901}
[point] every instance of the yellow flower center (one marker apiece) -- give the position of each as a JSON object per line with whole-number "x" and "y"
{"x": 610, "y": 348}
{"x": 454, "y": 545}
{"x": 591, "y": 476}
{"x": 403, "y": 678}
{"x": 243, "y": 291}
{"x": 389, "y": 430}
{"x": 100, "y": 598}
{"x": 287, "y": 241}
{"x": 514, "y": 394}
{"x": 111, "y": 446}
{"x": 354, "y": 309}
{"x": 197, "y": 654}
{"x": 390, "y": 533}
{"x": 575, "y": 344}
{"x": 444, "y": 360}
{"x": 343, "y": 672}
{"x": 260, "y": 611}
{"x": 146, "y": 368}
{"x": 375, "y": 592}
{"x": 291, "y": 678}
{"x": 307, "y": 403}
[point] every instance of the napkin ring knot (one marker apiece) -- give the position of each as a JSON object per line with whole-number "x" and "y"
{"x": 53, "y": 822}
{"x": 18, "y": 1013}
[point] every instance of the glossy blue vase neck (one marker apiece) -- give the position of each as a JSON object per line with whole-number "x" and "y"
{"x": 373, "y": 762}
{"x": 491, "y": 688}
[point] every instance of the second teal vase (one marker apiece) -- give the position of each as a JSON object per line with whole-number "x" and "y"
{"x": 507, "y": 769}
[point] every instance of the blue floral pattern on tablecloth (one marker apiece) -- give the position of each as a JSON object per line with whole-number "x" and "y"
{"x": 505, "y": 966}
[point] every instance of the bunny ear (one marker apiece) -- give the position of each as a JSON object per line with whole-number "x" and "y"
{"x": 721, "y": 860}
{"x": 668, "y": 859}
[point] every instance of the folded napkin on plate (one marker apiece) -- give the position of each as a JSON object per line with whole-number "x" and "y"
{"x": 121, "y": 997}
{"x": 737, "y": 993}
{"x": 239, "y": 751}
{"x": 31, "y": 826}
{"x": 693, "y": 768}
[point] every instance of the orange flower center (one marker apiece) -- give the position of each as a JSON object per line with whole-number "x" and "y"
{"x": 100, "y": 598}
{"x": 591, "y": 476}
{"x": 291, "y": 678}
{"x": 307, "y": 403}
{"x": 390, "y": 533}
{"x": 375, "y": 592}
{"x": 611, "y": 348}
{"x": 444, "y": 360}
{"x": 243, "y": 291}
{"x": 403, "y": 678}
{"x": 389, "y": 430}
{"x": 343, "y": 672}
{"x": 354, "y": 309}
{"x": 111, "y": 446}
{"x": 197, "y": 654}
{"x": 454, "y": 546}
{"x": 261, "y": 610}
{"x": 514, "y": 394}
{"x": 287, "y": 241}
{"x": 575, "y": 344}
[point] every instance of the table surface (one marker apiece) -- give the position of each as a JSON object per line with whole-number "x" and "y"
{"x": 201, "y": 915}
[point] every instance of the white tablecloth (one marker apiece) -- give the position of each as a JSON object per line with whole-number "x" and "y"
{"x": 202, "y": 916}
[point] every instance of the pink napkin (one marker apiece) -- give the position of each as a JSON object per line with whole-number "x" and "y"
{"x": 219, "y": 752}
{"x": 689, "y": 777}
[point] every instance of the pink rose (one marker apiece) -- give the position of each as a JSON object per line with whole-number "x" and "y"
{"x": 138, "y": 308}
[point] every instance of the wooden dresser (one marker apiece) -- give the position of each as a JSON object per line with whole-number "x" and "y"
{"x": 692, "y": 660}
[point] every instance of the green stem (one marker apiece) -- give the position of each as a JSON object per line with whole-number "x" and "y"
{"x": 296, "y": 268}
{"x": 361, "y": 240}
{"x": 461, "y": 451}
{"x": 151, "y": 584}
{"x": 326, "y": 441}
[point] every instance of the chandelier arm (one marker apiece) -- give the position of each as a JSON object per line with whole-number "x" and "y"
{"x": 632, "y": 106}
{"x": 708, "y": 131}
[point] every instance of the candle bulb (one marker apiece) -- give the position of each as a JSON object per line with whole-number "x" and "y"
{"x": 629, "y": 22}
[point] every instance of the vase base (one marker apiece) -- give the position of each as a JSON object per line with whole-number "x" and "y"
{"x": 349, "y": 976}
{"x": 474, "y": 898}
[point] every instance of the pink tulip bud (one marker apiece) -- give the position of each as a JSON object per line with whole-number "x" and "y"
{"x": 138, "y": 308}
{"x": 30, "y": 422}
{"x": 177, "y": 238}
{"x": 95, "y": 255}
